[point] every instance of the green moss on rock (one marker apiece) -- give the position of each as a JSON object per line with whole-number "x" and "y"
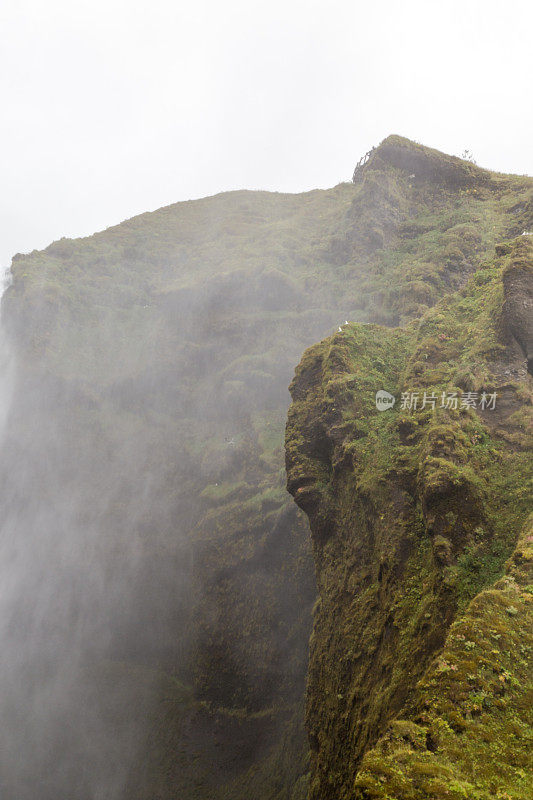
{"x": 413, "y": 513}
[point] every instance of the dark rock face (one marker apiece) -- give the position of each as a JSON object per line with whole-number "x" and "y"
{"x": 518, "y": 306}
{"x": 424, "y": 164}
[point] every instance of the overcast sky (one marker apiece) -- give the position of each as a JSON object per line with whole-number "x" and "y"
{"x": 115, "y": 107}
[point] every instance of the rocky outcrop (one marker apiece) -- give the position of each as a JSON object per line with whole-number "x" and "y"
{"x": 411, "y": 518}
{"x": 518, "y": 290}
{"x": 424, "y": 164}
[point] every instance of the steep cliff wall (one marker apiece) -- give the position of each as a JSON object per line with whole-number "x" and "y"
{"x": 150, "y": 398}
{"x": 414, "y": 510}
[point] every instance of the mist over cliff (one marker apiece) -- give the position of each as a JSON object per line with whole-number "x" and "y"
{"x": 157, "y": 579}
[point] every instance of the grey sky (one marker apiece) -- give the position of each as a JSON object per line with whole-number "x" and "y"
{"x": 115, "y": 107}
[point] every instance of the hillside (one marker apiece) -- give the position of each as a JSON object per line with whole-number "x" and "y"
{"x": 146, "y": 428}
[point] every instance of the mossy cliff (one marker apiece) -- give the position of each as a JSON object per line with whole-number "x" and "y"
{"x": 152, "y": 365}
{"x": 414, "y": 514}
{"x": 469, "y": 734}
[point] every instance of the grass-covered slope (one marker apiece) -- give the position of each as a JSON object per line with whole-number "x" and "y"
{"x": 414, "y": 512}
{"x": 153, "y": 361}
